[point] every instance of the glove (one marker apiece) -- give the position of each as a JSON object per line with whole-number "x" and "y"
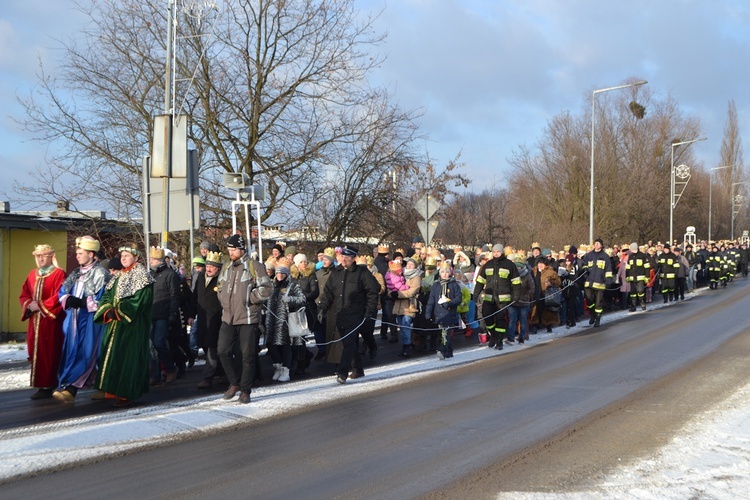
{"x": 443, "y": 300}
{"x": 394, "y": 294}
{"x": 321, "y": 316}
{"x": 73, "y": 302}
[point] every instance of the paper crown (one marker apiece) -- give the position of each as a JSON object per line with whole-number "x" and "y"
{"x": 213, "y": 258}
{"x": 43, "y": 250}
{"x": 156, "y": 253}
{"x": 383, "y": 249}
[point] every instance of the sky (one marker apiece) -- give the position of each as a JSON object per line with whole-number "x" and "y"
{"x": 486, "y": 75}
{"x": 708, "y": 456}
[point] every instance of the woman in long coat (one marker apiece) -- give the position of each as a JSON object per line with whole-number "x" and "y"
{"x": 541, "y": 315}
{"x": 287, "y": 296}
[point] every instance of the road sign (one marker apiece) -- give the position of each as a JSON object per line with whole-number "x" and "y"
{"x": 427, "y": 228}
{"x": 427, "y": 206}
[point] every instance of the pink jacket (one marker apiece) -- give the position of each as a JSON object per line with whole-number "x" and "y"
{"x": 395, "y": 282}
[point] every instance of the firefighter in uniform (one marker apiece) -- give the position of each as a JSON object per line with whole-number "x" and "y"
{"x": 637, "y": 274}
{"x": 598, "y": 267}
{"x": 714, "y": 265}
{"x": 501, "y": 284}
{"x": 668, "y": 266}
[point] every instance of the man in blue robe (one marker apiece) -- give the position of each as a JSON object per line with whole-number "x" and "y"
{"x": 79, "y": 295}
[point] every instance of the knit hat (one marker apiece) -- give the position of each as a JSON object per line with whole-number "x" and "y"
{"x": 236, "y": 241}
{"x": 291, "y": 250}
{"x": 634, "y": 247}
{"x": 279, "y": 248}
{"x": 300, "y": 257}
{"x": 199, "y": 261}
{"x": 350, "y": 251}
{"x": 281, "y": 268}
{"x": 205, "y": 244}
{"x": 497, "y": 247}
{"x": 601, "y": 241}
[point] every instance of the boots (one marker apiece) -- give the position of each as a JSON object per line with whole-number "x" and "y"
{"x": 632, "y": 304}
{"x": 404, "y": 351}
{"x": 598, "y": 319}
{"x": 592, "y": 316}
{"x": 493, "y": 339}
{"x": 276, "y": 371}
{"x": 284, "y": 374}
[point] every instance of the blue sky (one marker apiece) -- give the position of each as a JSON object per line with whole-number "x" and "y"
{"x": 486, "y": 74}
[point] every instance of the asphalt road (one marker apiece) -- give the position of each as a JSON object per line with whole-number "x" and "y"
{"x": 428, "y": 436}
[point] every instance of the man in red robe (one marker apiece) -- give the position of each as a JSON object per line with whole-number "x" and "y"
{"x": 41, "y": 306}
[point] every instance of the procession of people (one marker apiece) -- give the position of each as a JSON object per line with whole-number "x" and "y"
{"x": 122, "y": 329}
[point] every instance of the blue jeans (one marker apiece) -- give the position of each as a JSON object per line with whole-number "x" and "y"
{"x": 516, "y": 314}
{"x": 160, "y": 339}
{"x": 405, "y": 322}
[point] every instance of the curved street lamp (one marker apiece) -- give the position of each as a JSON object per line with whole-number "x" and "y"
{"x": 593, "y": 118}
{"x": 671, "y": 188}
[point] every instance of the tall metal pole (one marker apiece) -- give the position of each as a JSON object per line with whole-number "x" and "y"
{"x": 167, "y": 110}
{"x": 593, "y": 110}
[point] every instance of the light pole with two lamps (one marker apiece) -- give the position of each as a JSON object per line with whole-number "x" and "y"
{"x": 710, "y": 188}
{"x": 593, "y": 118}
{"x": 671, "y": 188}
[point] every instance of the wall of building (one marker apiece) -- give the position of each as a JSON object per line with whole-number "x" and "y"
{"x": 16, "y": 260}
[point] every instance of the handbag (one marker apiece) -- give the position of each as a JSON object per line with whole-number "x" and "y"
{"x": 552, "y": 298}
{"x": 297, "y": 322}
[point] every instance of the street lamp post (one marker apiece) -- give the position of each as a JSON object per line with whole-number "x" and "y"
{"x": 735, "y": 201}
{"x": 710, "y": 188}
{"x": 593, "y": 118}
{"x": 671, "y": 187}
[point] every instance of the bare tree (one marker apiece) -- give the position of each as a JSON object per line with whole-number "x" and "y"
{"x": 275, "y": 89}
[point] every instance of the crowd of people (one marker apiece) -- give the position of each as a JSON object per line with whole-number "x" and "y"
{"x": 118, "y": 327}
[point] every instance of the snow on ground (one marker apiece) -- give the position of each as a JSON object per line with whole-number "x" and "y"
{"x": 709, "y": 458}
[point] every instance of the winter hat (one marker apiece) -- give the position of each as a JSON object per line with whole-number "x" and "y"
{"x": 409, "y": 259}
{"x": 279, "y": 248}
{"x": 350, "y": 251}
{"x": 199, "y": 261}
{"x": 281, "y": 268}
{"x": 634, "y": 247}
{"x": 498, "y": 248}
{"x": 205, "y": 244}
{"x": 573, "y": 250}
{"x": 398, "y": 254}
{"x": 291, "y": 250}
{"x": 666, "y": 246}
{"x": 601, "y": 241}
{"x": 236, "y": 241}
{"x": 299, "y": 258}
